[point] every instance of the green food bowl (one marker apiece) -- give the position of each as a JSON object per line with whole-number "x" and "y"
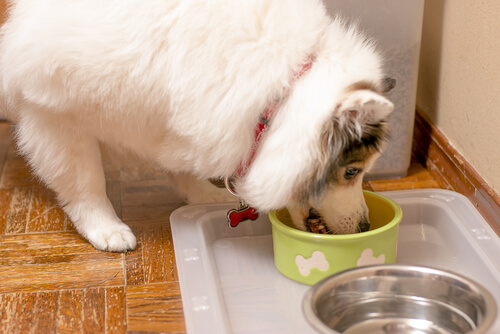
{"x": 308, "y": 257}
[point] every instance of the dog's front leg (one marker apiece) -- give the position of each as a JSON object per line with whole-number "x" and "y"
{"x": 69, "y": 162}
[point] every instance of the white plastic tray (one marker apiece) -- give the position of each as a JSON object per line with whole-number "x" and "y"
{"x": 229, "y": 283}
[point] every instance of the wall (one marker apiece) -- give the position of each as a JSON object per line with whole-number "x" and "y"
{"x": 3, "y": 6}
{"x": 459, "y": 79}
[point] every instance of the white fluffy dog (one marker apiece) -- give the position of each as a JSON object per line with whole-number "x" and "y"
{"x": 184, "y": 83}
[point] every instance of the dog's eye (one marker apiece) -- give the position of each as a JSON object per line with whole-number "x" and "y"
{"x": 351, "y": 172}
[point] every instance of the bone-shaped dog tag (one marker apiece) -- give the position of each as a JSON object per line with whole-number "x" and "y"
{"x": 242, "y": 213}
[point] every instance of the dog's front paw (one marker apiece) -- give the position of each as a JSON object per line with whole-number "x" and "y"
{"x": 113, "y": 238}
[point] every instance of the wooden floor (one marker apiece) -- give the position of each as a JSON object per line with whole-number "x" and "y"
{"x": 53, "y": 281}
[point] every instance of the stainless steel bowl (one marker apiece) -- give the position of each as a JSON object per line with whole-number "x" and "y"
{"x": 398, "y": 299}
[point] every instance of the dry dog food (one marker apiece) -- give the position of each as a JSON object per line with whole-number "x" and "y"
{"x": 315, "y": 224}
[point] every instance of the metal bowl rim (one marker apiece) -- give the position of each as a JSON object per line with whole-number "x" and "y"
{"x": 310, "y": 314}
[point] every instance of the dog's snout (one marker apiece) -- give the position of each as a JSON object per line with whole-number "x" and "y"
{"x": 364, "y": 225}
{"x": 314, "y": 212}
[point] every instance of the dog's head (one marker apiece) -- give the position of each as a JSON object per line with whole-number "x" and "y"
{"x": 331, "y": 200}
{"x": 316, "y": 169}
{"x": 324, "y": 138}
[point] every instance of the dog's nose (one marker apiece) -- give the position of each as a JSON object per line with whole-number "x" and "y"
{"x": 364, "y": 225}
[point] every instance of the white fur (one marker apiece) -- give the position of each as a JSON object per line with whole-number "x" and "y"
{"x": 180, "y": 82}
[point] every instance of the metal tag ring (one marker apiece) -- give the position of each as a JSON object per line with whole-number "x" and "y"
{"x": 227, "y": 183}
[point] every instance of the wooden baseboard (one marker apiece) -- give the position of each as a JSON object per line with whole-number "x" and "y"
{"x": 452, "y": 171}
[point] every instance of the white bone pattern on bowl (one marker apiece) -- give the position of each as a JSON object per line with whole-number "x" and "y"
{"x": 367, "y": 258}
{"x": 317, "y": 260}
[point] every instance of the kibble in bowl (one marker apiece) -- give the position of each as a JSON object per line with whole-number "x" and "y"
{"x": 309, "y": 257}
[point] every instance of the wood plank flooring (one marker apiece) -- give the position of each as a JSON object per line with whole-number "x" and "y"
{"x": 53, "y": 281}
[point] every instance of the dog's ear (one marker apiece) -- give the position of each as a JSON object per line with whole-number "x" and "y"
{"x": 357, "y": 130}
{"x": 364, "y": 106}
{"x": 388, "y": 84}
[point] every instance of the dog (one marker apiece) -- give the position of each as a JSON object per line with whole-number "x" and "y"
{"x": 184, "y": 84}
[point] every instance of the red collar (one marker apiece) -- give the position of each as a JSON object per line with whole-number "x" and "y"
{"x": 244, "y": 211}
{"x": 269, "y": 113}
